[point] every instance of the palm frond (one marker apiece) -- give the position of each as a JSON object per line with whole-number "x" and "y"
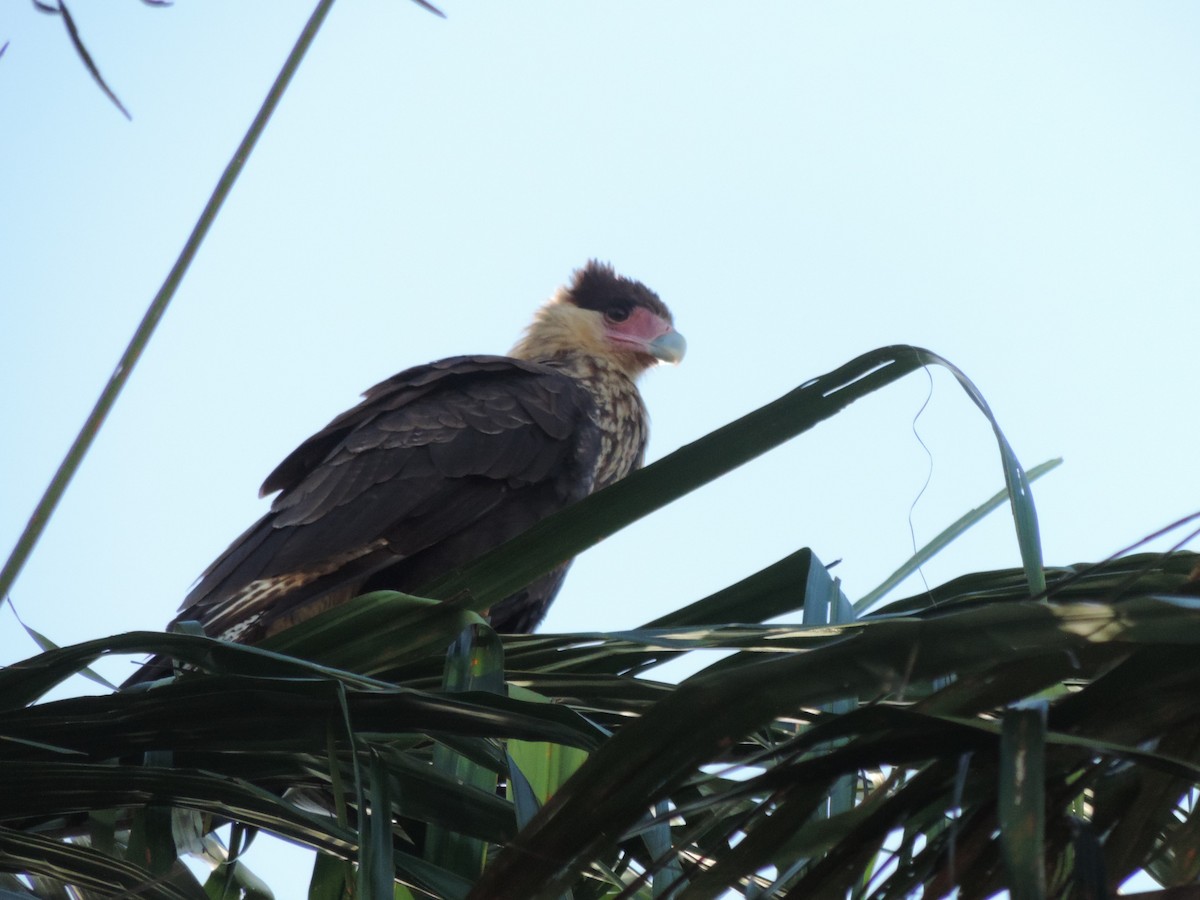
{"x": 1028, "y": 728}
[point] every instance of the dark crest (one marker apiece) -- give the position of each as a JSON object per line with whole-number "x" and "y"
{"x": 597, "y": 286}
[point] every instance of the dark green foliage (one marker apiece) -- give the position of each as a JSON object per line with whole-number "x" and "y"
{"x": 932, "y": 754}
{"x": 976, "y": 736}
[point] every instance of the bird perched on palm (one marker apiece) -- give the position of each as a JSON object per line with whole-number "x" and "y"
{"x": 445, "y": 461}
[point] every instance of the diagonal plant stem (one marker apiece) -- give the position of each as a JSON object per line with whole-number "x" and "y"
{"x": 83, "y": 441}
{"x": 947, "y": 536}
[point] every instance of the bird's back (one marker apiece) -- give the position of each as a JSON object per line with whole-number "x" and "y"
{"x": 436, "y": 466}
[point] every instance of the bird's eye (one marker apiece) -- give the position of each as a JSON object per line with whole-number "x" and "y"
{"x": 618, "y": 314}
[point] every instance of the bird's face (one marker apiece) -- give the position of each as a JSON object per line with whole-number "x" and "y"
{"x": 643, "y": 333}
{"x": 606, "y": 316}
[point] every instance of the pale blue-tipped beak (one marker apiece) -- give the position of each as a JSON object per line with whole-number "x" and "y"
{"x": 669, "y": 347}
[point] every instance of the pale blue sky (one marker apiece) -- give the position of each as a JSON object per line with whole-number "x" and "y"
{"x": 1014, "y": 186}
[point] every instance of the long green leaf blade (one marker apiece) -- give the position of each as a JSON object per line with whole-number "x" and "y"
{"x": 542, "y": 547}
{"x": 1022, "y": 801}
{"x": 475, "y": 663}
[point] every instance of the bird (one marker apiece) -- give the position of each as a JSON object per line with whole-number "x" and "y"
{"x": 445, "y": 461}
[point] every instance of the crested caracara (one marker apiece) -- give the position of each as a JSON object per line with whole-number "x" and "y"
{"x": 446, "y": 461}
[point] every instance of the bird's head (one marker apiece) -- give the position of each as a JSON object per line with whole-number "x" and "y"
{"x": 607, "y": 316}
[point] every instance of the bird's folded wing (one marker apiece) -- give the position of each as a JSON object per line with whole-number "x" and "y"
{"x": 436, "y": 455}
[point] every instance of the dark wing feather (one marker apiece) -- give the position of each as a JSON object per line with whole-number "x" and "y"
{"x": 401, "y": 390}
{"x": 437, "y": 465}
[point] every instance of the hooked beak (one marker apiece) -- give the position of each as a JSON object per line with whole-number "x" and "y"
{"x": 668, "y": 347}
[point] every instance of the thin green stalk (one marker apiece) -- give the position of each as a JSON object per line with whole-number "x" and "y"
{"x": 141, "y": 337}
{"x": 947, "y": 536}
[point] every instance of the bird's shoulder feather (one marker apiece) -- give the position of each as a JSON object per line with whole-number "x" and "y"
{"x": 553, "y": 399}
